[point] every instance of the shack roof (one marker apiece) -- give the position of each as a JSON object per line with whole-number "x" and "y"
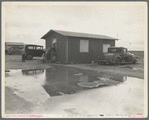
{"x": 76, "y": 34}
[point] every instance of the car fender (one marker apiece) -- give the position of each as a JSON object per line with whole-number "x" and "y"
{"x": 28, "y": 53}
{"x": 117, "y": 56}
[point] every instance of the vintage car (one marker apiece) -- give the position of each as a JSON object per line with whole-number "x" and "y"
{"x": 117, "y": 55}
{"x": 33, "y": 51}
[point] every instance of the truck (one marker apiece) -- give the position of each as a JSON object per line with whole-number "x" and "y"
{"x": 117, "y": 55}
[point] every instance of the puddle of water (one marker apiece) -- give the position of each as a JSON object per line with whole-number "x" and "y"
{"x": 63, "y": 79}
{"x": 32, "y": 71}
{"x": 90, "y": 84}
{"x": 38, "y": 86}
{"x": 59, "y": 80}
{"x": 28, "y": 87}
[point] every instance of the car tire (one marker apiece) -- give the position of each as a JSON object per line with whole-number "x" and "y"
{"x": 130, "y": 59}
{"x": 134, "y": 61}
{"x": 29, "y": 56}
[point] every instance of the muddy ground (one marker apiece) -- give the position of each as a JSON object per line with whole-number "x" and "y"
{"x": 15, "y": 62}
{"x": 59, "y": 90}
{"x": 132, "y": 70}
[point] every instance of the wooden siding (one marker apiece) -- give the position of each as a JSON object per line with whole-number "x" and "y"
{"x": 68, "y": 48}
{"x": 95, "y": 50}
{"x": 61, "y": 46}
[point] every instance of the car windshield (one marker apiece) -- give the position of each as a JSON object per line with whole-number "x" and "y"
{"x": 117, "y": 50}
{"x": 31, "y": 47}
{"x": 39, "y": 48}
{"x": 35, "y": 47}
{"x": 112, "y": 50}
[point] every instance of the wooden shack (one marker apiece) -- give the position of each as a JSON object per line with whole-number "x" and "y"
{"x": 75, "y": 48}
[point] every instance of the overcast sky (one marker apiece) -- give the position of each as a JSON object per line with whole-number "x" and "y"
{"x": 29, "y": 22}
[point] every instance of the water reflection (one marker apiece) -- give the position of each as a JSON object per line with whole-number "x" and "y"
{"x": 63, "y": 80}
{"x": 32, "y": 71}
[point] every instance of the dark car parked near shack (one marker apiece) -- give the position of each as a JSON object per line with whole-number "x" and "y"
{"x": 117, "y": 55}
{"x": 33, "y": 51}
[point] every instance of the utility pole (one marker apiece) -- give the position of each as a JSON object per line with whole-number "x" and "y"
{"x": 117, "y": 37}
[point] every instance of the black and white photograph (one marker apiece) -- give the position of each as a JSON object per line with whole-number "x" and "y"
{"x": 74, "y": 59}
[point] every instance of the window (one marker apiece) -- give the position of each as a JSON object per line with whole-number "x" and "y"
{"x": 105, "y": 48}
{"x": 84, "y": 46}
{"x": 38, "y": 48}
{"x": 30, "y": 47}
{"x": 54, "y": 40}
{"x": 125, "y": 51}
{"x": 54, "y": 43}
{"x": 113, "y": 50}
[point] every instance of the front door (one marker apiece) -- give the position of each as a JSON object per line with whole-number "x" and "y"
{"x": 39, "y": 51}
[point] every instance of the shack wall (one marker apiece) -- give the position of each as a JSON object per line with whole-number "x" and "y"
{"x": 95, "y": 50}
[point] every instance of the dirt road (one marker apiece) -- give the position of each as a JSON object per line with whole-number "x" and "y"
{"x": 15, "y": 62}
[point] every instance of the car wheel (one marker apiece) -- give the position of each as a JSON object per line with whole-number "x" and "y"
{"x": 134, "y": 61}
{"x": 29, "y": 56}
{"x": 117, "y": 61}
{"x": 130, "y": 59}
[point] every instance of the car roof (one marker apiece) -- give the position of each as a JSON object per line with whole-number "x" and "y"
{"x": 33, "y": 45}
